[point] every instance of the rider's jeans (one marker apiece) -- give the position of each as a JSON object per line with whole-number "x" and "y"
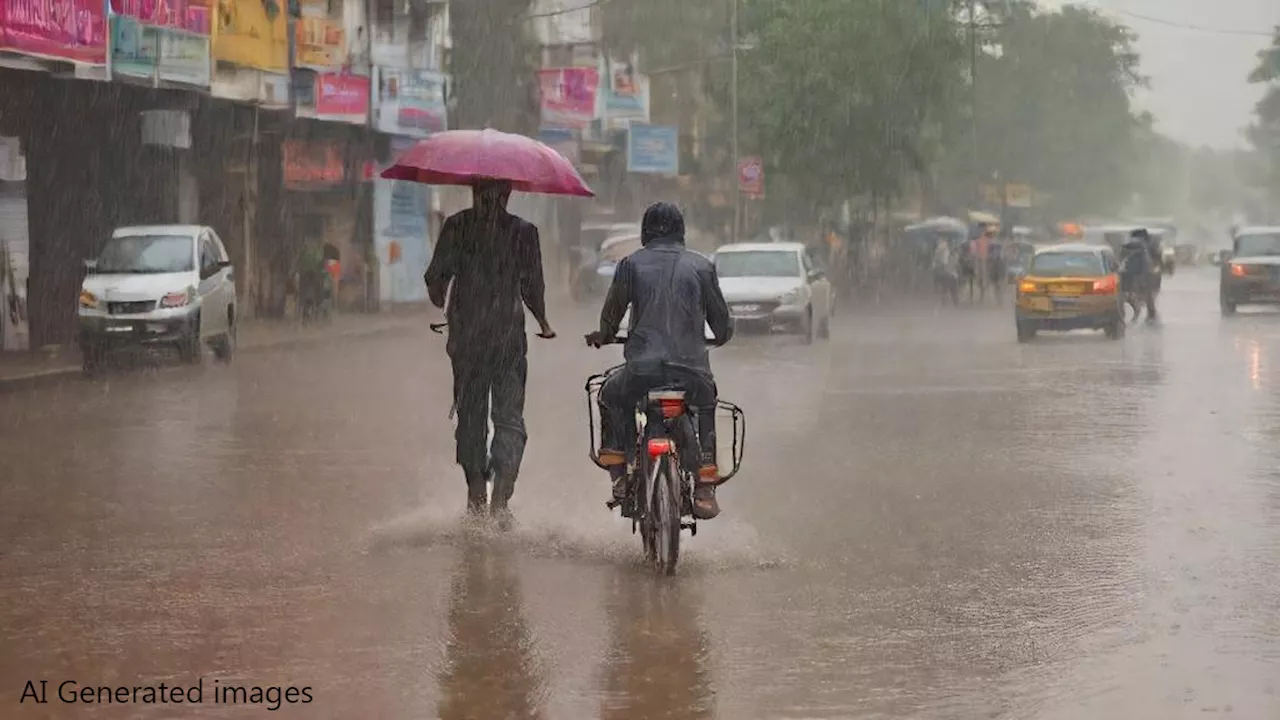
{"x": 490, "y": 382}
{"x": 625, "y": 388}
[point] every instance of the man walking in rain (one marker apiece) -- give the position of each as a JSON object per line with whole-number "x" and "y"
{"x": 493, "y": 260}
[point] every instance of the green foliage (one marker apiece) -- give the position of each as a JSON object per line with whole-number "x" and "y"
{"x": 840, "y": 96}
{"x": 1265, "y": 133}
{"x": 1054, "y": 108}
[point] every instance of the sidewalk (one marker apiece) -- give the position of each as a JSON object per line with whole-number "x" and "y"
{"x": 253, "y": 335}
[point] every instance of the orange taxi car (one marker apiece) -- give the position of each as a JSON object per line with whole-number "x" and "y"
{"x": 1072, "y": 286}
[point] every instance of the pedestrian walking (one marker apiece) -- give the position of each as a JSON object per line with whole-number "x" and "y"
{"x": 493, "y": 261}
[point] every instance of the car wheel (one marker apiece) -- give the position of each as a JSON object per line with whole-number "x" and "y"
{"x": 1228, "y": 307}
{"x": 807, "y": 327}
{"x": 224, "y": 347}
{"x": 1026, "y": 332}
{"x": 190, "y": 349}
{"x": 1115, "y": 330}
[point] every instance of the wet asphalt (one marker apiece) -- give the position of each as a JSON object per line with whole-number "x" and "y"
{"x": 932, "y": 522}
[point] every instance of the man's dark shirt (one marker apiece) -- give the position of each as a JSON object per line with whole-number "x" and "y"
{"x": 495, "y": 263}
{"x": 673, "y": 293}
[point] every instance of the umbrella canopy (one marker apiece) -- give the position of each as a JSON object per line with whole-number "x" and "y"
{"x": 460, "y": 157}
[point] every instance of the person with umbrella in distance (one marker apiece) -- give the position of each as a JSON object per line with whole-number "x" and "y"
{"x": 488, "y": 264}
{"x": 493, "y": 260}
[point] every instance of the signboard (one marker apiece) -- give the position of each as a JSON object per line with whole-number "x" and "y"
{"x": 568, "y": 96}
{"x": 626, "y": 96}
{"x": 313, "y": 165}
{"x": 321, "y": 43}
{"x": 71, "y": 30}
{"x": 563, "y": 141}
{"x": 653, "y": 149}
{"x": 410, "y": 102}
{"x": 751, "y": 176}
{"x": 401, "y": 235}
{"x": 342, "y": 95}
{"x": 160, "y": 54}
{"x": 252, "y": 33}
{"x": 1018, "y": 195}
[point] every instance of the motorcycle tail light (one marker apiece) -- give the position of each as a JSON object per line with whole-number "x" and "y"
{"x": 660, "y": 446}
{"x": 1239, "y": 270}
{"x": 672, "y": 408}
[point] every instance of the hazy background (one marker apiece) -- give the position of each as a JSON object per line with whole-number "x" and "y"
{"x": 1198, "y": 54}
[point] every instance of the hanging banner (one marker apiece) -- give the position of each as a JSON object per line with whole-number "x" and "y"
{"x": 568, "y": 96}
{"x": 170, "y": 46}
{"x": 626, "y": 96}
{"x": 253, "y": 34}
{"x": 72, "y": 30}
{"x": 410, "y": 102}
{"x": 653, "y": 149}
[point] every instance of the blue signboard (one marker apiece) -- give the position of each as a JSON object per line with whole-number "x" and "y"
{"x": 653, "y": 149}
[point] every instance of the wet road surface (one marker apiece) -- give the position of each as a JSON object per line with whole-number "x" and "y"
{"x": 933, "y": 522}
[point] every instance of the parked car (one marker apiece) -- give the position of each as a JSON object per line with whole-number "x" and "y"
{"x": 159, "y": 285}
{"x": 1250, "y": 273}
{"x": 775, "y": 286}
{"x": 1073, "y": 286}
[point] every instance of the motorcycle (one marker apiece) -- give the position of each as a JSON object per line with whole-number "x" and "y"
{"x": 661, "y": 477}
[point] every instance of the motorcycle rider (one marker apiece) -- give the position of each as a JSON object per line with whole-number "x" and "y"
{"x": 673, "y": 294}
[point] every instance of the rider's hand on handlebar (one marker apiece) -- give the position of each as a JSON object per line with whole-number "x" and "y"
{"x": 596, "y": 339}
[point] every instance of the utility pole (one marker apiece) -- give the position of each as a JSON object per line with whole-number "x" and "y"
{"x": 737, "y": 190}
{"x": 973, "y": 90}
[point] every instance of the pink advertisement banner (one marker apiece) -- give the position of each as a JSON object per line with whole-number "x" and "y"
{"x": 342, "y": 94}
{"x": 74, "y": 30}
{"x": 568, "y": 96}
{"x": 190, "y": 15}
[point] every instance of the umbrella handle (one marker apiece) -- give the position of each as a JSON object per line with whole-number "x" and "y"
{"x": 438, "y": 328}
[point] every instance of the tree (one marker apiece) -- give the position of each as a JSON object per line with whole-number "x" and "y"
{"x": 1055, "y": 107}
{"x": 838, "y": 96}
{"x": 1265, "y": 133}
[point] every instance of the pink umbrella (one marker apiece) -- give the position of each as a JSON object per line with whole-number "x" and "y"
{"x": 459, "y": 157}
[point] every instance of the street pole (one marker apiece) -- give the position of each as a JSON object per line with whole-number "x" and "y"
{"x": 973, "y": 89}
{"x": 737, "y": 190}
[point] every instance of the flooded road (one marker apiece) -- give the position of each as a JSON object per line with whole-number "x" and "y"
{"x": 932, "y": 522}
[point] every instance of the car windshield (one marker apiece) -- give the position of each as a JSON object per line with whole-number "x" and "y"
{"x": 758, "y": 263}
{"x": 1254, "y": 245}
{"x": 1067, "y": 264}
{"x": 147, "y": 254}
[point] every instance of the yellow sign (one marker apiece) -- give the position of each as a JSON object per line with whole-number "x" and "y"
{"x": 252, "y": 33}
{"x": 321, "y": 43}
{"x": 1017, "y": 195}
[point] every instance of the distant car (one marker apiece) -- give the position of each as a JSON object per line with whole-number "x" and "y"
{"x": 775, "y": 286}
{"x": 159, "y": 285}
{"x": 1073, "y": 286}
{"x": 1250, "y": 272}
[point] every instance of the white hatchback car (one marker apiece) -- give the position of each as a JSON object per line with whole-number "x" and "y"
{"x": 159, "y": 285}
{"x": 775, "y": 285}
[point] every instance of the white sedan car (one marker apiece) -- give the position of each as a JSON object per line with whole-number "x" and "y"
{"x": 170, "y": 285}
{"x": 775, "y": 286}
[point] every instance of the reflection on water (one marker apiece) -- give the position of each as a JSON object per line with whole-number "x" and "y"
{"x": 657, "y": 666}
{"x": 490, "y": 668}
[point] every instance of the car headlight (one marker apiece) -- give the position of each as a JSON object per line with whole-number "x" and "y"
{"x": 790, "y": 297}
{"x": 88, "y": 299}
{"x": 179, "y": 299}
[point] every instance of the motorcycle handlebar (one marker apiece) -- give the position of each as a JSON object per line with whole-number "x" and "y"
{"x": 622, "y": 340}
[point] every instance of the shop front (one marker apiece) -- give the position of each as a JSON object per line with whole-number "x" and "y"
{"x": 324, "y": 203}
{"x": 15, "y": 330}
{"x": 402, "y": 233}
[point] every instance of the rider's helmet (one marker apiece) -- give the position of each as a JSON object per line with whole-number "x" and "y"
{"x": 661, "y": 219}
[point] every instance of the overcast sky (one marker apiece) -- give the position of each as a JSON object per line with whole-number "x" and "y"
{"x": 1199, "y": 93}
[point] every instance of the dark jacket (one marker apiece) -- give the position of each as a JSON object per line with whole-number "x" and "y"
{"x": 673, "y": 293}
{"x": 494, "y": 262}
